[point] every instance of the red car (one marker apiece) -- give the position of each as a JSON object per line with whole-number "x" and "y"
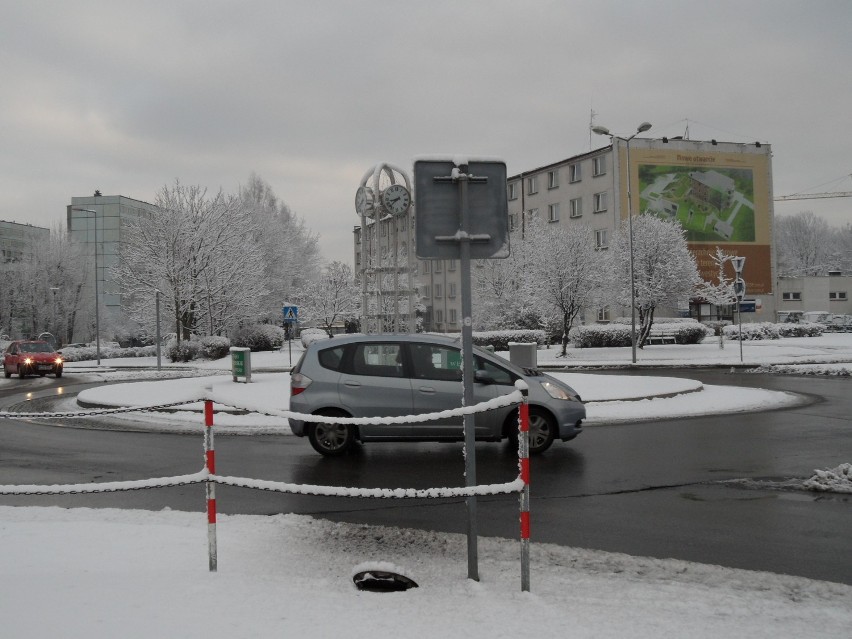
{"x": 31, "y": 357}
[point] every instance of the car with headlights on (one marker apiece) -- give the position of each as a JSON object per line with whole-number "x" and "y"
{"x": 395, "y": 375}
{"x": 32, "y": 357}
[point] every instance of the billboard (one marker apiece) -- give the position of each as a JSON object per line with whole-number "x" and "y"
{"x": 721, "y": 194}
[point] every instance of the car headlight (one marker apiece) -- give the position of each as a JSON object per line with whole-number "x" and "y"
{"x": 28, "y": 361}
{"x": 557, "y": 392}
{"x": 58, "y": 360}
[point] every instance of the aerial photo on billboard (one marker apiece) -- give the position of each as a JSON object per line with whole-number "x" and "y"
{"x": 712, "y": 205}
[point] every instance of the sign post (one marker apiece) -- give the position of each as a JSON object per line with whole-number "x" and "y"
{"x": 291, "y": 316}
{"x": 740, "y": 290}
{"x": 463, "y": 213}
{"x": 241, "y": 363}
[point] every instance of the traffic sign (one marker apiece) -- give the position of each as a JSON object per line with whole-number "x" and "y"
{"x": 739, "y": 289}
{"x": 291, "y": 313}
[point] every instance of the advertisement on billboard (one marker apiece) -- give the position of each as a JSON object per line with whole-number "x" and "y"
{"x": 720, "y": 194}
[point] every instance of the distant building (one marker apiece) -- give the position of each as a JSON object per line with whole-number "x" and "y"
{"x": 17, "y": 241}
{"x": 111, "y": 213}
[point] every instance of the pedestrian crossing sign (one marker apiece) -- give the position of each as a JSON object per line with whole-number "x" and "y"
{"x": 291, "y": 313}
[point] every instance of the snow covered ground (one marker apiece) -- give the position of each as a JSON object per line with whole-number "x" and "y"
{"x": 110, "y": 573}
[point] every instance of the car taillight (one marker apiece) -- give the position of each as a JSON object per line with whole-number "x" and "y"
{"x": 298, "y": 383}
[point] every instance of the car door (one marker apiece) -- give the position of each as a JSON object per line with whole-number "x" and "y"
{"x": 10, "y": 359}
{"x": 436, "y": 385}
{"x": 373, "y": 383}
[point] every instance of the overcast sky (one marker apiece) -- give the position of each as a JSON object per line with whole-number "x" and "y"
{"x": 127, "y": 96}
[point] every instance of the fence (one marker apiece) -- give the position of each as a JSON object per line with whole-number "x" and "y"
{"x": 209, "y": 477}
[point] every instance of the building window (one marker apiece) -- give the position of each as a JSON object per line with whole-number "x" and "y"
{"x": 553, "y": 213}
{"x": 437, "y": 290}
{"x": 427, "y": 266}
{"x": 600, "y": 202}
{"x": 512, "y": 222}
{"x": 599, "y": 165}
{"x": 601, "y": 241}
{"x": 451, "y": 316}
{"x": 604, "y": 314}
{"x": 576, "y": 207}
{"x": 451, "y": 265}
{"x": 552, "y": 179}
{"x": 574, "y": 172}
{"x": 438, "y": 265}
{"x": 439, "y": 315}
{"x": 513, "y": 191}
{"x": 451, "y": 290}
{"x": 791, "y": 297}
{"x": 837, "y": 295}
{"x": 425, "y": 291}
{"x": 532, "y": 185}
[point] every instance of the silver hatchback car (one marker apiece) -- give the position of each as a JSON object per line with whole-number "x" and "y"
{"x": 393, "y": 375}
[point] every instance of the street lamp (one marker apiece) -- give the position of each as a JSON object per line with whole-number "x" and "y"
{"x": 602, "y": 130}
{"x": 97, "y": 303}
{"x": 53, "y": 290}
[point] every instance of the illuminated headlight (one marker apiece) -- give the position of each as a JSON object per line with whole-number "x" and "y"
{"x": 28, "y": 361}
{"x": 58, "y": 360}
{"x": 557, "y": 392}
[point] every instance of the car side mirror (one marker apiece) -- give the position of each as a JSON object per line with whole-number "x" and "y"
{"x": 481, "y": 377}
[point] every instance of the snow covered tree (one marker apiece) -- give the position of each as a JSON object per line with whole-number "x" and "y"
{"x": 806, "y": 245}
{"x": 664, "y": 269}
{"x": 333, "y": 297}
{"x": 290, "y": 250}
{"x": 566, "y": 271}
{"x": 721, "y": 292}
{"x": 504, "y": 295}
{"x": 194, "y": 249}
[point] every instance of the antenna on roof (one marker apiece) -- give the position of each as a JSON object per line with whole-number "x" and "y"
{"x": 592, "y": 115}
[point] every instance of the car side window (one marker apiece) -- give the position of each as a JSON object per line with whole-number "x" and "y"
{"x": 377, "y": 359}
{"x": 432, "y": 361}
{"x": 500, "y": 375}
{"x": 331, "y": 358}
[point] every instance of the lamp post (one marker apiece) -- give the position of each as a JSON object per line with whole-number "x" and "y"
{"x": 53, "y": 290}
{"x": 97, "y": 300}
{"x": 602, "y": 130}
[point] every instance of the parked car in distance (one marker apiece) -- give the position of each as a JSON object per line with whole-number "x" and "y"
{"x": 394, "y": 375}
{"x": 31, "y": 357}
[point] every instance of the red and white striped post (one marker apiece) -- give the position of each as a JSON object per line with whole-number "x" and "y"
{"x": 524, "y": 467}
{"x": 210, "y": 464}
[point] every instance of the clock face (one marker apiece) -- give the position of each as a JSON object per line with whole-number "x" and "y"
{"x": 396, "y": 199}
{"x": 363, "y": 200}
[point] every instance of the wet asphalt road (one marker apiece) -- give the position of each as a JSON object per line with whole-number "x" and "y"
{"x": 649, "y": 489}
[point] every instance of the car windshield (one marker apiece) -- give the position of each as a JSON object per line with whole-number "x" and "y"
{"x": 36, "y": 347}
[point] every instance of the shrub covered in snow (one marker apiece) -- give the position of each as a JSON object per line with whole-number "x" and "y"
{"x": 600, "y": 335}
{"x": 499, "y": 340}
{"x": 260, "y": 337}
{"x": 214, "y": 346}
{"x": 753, "y": 331}
{"x": 802, "y": 329}
{"x": 86, "y": 353}
{"x": 185, "y": 351}
{"x": 682, "y": 331}
{"x": 311, "y": 335}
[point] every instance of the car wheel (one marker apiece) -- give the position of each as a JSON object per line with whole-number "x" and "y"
{"x": 331, "y": 440}
{"x": 21, "y": 373}
{"x": 6, "y": 372}
{"x": 58, "y": 374}
{"x": 542, "y": 430}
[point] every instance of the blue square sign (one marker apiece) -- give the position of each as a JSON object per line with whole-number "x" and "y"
{"x": 291, "y": 313}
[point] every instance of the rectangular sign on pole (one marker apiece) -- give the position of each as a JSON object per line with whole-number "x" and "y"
{"x": 291, "y": 314}
{"x": 438, "y": 218}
